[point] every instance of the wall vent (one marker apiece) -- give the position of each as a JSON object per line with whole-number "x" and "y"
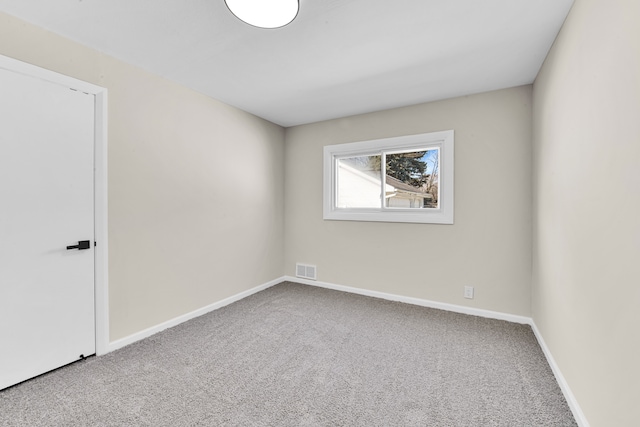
{"x": 306, "y": 271}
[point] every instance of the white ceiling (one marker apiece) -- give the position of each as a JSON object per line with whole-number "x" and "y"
{"x": 337, "y": 58}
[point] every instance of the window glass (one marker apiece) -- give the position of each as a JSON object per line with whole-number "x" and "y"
{"x": 412, "y": 179}
{"x": 359, "y": 182}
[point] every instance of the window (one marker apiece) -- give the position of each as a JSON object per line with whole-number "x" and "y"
{"x": 401, "y": 179}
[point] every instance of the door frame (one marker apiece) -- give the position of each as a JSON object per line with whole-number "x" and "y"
{"x": 100, "y": 193}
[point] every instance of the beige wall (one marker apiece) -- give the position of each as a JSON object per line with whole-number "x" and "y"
{"x": 489, "y": 246}
{"x": 195, "y": 186}
{"x": 586, "y": 292}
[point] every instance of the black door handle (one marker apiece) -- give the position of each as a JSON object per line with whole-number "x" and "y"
{"x": 82, "y": 244}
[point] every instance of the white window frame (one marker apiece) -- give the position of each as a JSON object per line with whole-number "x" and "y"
{"x": 442, "y": 215}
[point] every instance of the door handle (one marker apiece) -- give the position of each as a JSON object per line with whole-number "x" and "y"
{"x": 82, "y": 244}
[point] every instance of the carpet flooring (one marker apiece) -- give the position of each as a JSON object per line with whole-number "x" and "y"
{"x": 295, "y": 355}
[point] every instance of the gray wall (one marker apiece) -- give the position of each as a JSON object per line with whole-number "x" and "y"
{"x": 586, "y": 244}
{"x": 489, "y": 246}
{"x": 195, "y": 186}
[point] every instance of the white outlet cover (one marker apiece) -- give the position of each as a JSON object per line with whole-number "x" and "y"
{"x": 468, "y": 292}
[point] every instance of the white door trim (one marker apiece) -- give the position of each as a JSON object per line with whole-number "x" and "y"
{"x": 100, "y": 202}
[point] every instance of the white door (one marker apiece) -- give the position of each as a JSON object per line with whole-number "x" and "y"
{"x": 46, "y": 204}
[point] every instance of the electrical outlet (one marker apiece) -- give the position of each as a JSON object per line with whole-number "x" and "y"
{"x": 468, "y": 292}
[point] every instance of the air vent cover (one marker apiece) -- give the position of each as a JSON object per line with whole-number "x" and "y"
{"x": 306, "y": 271}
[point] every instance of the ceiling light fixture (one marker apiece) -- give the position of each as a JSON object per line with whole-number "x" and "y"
{"x": 264, "y": 13}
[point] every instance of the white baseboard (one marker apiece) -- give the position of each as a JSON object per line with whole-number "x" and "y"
{"x": 564, "y": 386}
{"x": 416, "y": 301}
{"x": 114, "y": 345}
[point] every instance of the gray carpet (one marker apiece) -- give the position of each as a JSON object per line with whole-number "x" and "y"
{"x": 295, "y": 355}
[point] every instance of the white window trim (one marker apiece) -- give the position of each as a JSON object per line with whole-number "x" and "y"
{"x": 443, "y": 215}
